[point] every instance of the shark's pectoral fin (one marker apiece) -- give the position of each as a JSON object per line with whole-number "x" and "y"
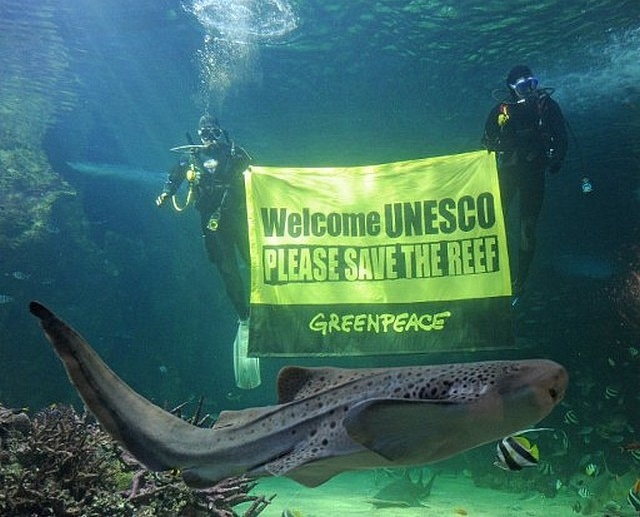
{"x": 406, "y": 430}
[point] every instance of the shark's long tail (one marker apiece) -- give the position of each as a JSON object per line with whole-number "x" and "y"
{"x": 147, "y": 431}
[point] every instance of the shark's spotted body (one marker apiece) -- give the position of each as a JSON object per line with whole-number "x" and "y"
{"x": 327, "y": 421}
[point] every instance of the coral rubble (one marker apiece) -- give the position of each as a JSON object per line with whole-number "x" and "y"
{"x": 59, "y": 463}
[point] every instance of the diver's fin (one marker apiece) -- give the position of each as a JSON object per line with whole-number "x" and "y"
{"x": 246, "y": 369}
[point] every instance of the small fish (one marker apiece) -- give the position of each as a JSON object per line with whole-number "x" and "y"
{"x": 234, "y": 397}
{"x": 633, "y": 351}
{"x": 592, "y": 470}
{"x": 631, "y": 446}
{"x": 585, "y": 493}
{"x": 570, "y": 417}
{"x": 545, "y": 468}
{"x": 515, "y": 453}
{"x": 5, "y": 298}
{"x": 634, "y": 496}
{"x": 291, "y": 513}
{"x": 19, "y": 275}
{"x": 564, "y": 441}
{"x": 610, "y": 392}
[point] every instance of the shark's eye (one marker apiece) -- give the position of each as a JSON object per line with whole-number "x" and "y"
{"x": 553, "y": 393}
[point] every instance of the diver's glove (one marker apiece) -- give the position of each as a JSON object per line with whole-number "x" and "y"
{"x": 161, "y": 198}
{"x": 554, "y": 167}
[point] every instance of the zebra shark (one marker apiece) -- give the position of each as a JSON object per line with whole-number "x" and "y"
{"x": 327, "y": 420}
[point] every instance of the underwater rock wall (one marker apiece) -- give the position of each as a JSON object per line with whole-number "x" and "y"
{"x": 29, "y": 190}
{"x": 44, "y": 232}
{"x": 35, "y": 86}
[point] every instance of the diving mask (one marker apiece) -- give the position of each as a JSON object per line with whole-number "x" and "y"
{"x": 210, "y": 134}
{"x": 524, "y": 85}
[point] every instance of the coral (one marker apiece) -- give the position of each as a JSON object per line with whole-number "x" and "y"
{"x": 62, "y": 464}
{"x": 160, "y": 491}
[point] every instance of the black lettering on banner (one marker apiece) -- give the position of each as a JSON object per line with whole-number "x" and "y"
{"x": 471, "y": 256}
{"x": 310, "y": 264}
{"x": 466, "y": 209}
{"x": 486, "y": 210}
{"x": 407, "y": 219}
{"x": 446, "y": 209}
{"x": 447, "y": 216}
{"x": 279, "y": 222}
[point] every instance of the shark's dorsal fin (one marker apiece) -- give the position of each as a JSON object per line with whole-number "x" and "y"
{"x": 291, "y": 380}
{"x": 297, "y": 382}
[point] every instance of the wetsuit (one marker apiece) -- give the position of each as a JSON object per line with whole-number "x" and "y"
{"x": 220, "y": 198}
{"x": 529, "y": 137}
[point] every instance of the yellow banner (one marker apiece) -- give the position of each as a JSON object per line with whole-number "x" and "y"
{"x": 411, "y": 232}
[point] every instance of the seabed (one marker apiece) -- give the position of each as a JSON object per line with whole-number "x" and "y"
{"x": 350, "y": 494}
{"x": 453, "y": 495}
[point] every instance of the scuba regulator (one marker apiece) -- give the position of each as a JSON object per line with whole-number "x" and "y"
{"x": 192, "y": 174}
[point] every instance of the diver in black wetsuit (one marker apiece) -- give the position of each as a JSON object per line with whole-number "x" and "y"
{"x": 528, "y": 134}
{"x": 215, "y": 173}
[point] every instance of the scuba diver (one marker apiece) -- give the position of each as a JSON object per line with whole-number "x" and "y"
{"x": 214, "y": 171}
{"x": 528, "y": 134}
